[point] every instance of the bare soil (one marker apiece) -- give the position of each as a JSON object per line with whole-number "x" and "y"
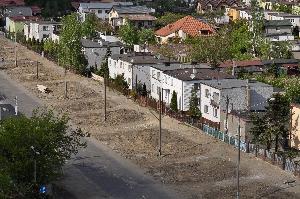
{"x": 194, "y": 164}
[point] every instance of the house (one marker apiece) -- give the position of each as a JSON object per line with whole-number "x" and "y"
{"x": 100, "y": 9}
{"x": 181, "y": 79}
{"x": 232, "y": 120}
{"x": 294, "y": 19}
{"x": 40, "y": 30}
{"x": 95, "y": 50}
{"x": 139, "y": 16}
{"x": 295, "y": 126}
{"x": 215, "y": 5}
{"x": 237, "y": 13}
{"x": 279, "y": 30}
{"x": 183, "y": 28}
{"x": 16, "y": 23}
{"x": 234, "y": 94}
{"x": 235, "y": 67}
{"x": 134, "y": 66}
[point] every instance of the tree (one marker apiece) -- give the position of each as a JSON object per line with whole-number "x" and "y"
{"x": 240, "y": 40}
{"x": 212, "y": 49}
{"x": 89, "y": 26}
{"x": 129, "y": 34}
{"x": 146, "y": 36}
{"x": 53, "y": 8}
{"x": 167, "y": 51}
{"x": 104, "y": 26}
{"x": 281, "y": 50}
{"x": 273, "y": 126}
{"x": 194, "y": 111}
{"x": 173, "y": 105}
{"x": 144, "y": 90}
{"x": 296, "y": 31}
{"x": 70, "y": 54}
{"x": 168, "y": 18}
{"x": 104, "y": 70}
{"x": 20, "y": 140}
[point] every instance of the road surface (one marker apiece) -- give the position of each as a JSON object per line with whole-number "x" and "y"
{"x": 96, "y": 172}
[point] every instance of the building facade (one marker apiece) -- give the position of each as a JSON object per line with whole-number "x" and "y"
{"x": 40, "y": 30}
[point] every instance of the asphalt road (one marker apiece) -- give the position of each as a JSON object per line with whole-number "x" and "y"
{"x": 96, "y": 172}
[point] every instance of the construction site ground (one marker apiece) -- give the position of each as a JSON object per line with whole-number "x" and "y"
{"x": 192, "y": 163}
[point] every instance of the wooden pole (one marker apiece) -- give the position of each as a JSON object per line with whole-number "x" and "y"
{"x": 160, "y": 109}
{"x": 105, "y": 116}
{"x": 37, "y": 70}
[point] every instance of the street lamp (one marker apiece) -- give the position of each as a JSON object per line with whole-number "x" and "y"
{"x": 35, "y": 153}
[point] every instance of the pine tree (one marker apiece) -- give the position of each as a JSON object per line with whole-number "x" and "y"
{"x": 173, "y": 105}
{"x": 194, "y": 110}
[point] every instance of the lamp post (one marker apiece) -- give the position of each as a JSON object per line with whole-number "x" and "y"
{"x": 34, "y": 163}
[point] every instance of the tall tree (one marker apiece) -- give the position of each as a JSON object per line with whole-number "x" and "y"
{"x": 70, "y": 54}
{"x": 173, "y": 105}
{"x": 104, "y": 70}
{"x": 129, "y": 34}
{"x": 146, "y": 36}
{"x": 89, "y": 26}
{"x": 194, "y": 110}
{"x": 168, "y": 18}
{"x": 45, "y": 139}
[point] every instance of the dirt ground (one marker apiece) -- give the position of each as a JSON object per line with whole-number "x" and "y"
{"x": 192, "y": 163}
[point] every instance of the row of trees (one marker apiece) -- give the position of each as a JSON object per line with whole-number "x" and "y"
{"x": 33, "y": 150}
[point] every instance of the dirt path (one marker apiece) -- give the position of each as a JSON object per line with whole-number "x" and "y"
{"x": 195, "y": 164}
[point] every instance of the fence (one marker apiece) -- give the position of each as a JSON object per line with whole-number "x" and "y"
{"x": 286, "y": 164}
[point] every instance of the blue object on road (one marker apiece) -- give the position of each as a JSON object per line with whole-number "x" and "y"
{"x": 43, "y": 189}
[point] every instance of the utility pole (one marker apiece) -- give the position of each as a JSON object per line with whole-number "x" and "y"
{"x": 66, "y": 84}
{"x": 105, "y": 98}
{"x": 37, "y": 69}
{"x": 160, "y": 109}
{"x": 16, "y": 62}
{"x": 239, "y": 158}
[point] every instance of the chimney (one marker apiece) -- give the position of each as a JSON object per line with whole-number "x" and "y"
{"x": 248, "y": 95}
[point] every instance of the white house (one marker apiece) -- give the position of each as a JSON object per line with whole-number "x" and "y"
{"x": 181, "y": 79}
{"x": 135, "y": 67}
{"x": 100, "y": 9}
{"x": 40, "y": 30}
{"x": 294, "y": 19}
{"x": 217, "y": 95}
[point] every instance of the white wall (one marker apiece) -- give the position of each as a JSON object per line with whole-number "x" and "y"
{"x": 206, "y": 101}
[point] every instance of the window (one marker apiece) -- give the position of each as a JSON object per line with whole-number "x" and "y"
{"x": 45, "y": 36}
{"x": 196, "y": 86}
{"x": 153, "y": 73}
{"x": 121, "y": 64}
{"x": 152, "y": 88}
{"x": 45, "y": 28}
{"x": 166, "y": 79}
{"x": 115, "y": 63}
{"x": 158, "y": 90}
{"x": 207, "y": 93}
{"x": 129, "y": 81}
{"x": 216, "y": 97}
{"x": 215, "y": 112}
{"x": 106, "y": 11}
{"x": 292, "y": 20}
{"x": 205, "y": 109}
{"x": 158, "y": 76}
{"x": 278, "y": 28}
{"x": 99, "y": 11}
{"x": 129, "y": 68}
{"x": 109, "y": 62}
{"x": 171, "y": 81}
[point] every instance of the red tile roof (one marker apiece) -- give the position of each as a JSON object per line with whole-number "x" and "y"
{"x": 246, "y": 63}
{"x": 188, "y": 24}
{"x": 12, "y": 3}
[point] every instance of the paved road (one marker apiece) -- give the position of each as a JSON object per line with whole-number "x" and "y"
{"x": 96, "y": 172}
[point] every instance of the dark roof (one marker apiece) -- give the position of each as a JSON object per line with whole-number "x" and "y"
{"x": 7, "y": 111}
{"x": 276, "y": 23}
{"x": 216, "y": 3}
{"x": 132, "y": 9}
{"x": 280, "y": 61}
{"x": 99, "y": 43}
{"x": 245, "y": 63}
{"x": 201, "y": 74}
{"x": 177, "y": 66}
{"x": 232, "y": 83}
{"x": 18, "y": 11}
{"x": 140, "y": 58}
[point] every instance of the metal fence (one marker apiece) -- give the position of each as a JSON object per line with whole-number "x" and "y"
{"x": 286, "y": 164}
